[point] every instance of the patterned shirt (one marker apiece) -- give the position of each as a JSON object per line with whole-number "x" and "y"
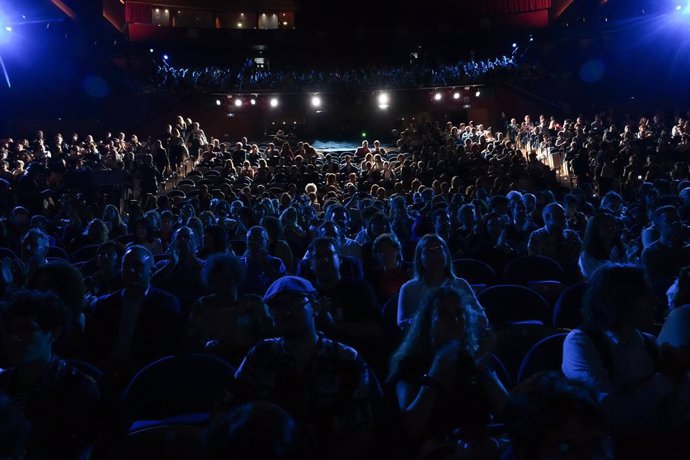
{"x": 564, "y": 247}
{"x": 334, "y": 394}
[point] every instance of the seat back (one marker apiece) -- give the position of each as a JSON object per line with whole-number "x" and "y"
{"x": 85, "y": 253}
{"x": 56, "y": 252}
{"x": 513, "y": 343}
{"x": 178, "y": 384}
{"x": 566, "y": 312}
{"x": 526, "y": 269}
{"x": 475, "y": 271}
{"x": 545, "y": 355}
{"x": 506, "y": 304}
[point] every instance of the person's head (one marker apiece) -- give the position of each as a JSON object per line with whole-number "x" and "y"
{"x": 108, "y": 257}
{"x": 257, "y": 240}
{"x": 223, "y": 273}
{"x": 273, "y": 227}
{"x": 432, "y": 255}
{"x": 64, "y": 280}
{"x": 255, "y": 430}
{"x": 551, "y": 417}
{"x": 215, "y": 239}
{"x": 530, "y": 202}
{"x": 376, "y": 225}
{"x": 330, "y": 229}
{"x": 97, "y": 231}
{"x": 467, "y": 215}
{"x": 340, "y": 215}
{"x": 183, "y": 244}
{"x": 143, "y": 230}
{"x": 554, "y": 217}
{"x": 137, "y": 268}
{"x": 291, "y": 302}
{"x": 441, "y": 317}
{"x": 619, "y": 297}
{"x": 325, "y": 260}
{"x": 387, "y": 250}
{"x": 111, "y": 214}
{"x": 441, "y": 221}
{"x": 34, "y": 247}
{"x": 601, "y": 234}
{"x": 667, "y": 221}
{"x": 33, "y": 321}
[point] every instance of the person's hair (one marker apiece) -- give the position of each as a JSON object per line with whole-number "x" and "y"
{"x": 420, "y": 341}
{"x": 318, "y": 241}
{"x": 384, "y": 238}
{"x": 426, "y": 240}
{"x": 272, "y": 225}
{"x": 220, "y": 262}
{"x": 611, "y": 294}
{"x": 592, "y": 243}
{"x": 65, "y": 281}
{"x": 543, "y": 404}
{"x": 51, "y": 313}
{"x": 14, "y": 429}
{"x": 97, "y": 230}
{"x": 147, "y": 225}
{"x": 255, "y": 430}
{"x": 142, "y": 249}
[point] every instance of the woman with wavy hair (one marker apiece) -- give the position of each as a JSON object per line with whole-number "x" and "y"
{"x": 440, "y": 371}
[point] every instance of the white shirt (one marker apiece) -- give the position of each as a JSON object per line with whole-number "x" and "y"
{"x": 635, "y": 397}
{"x": 413, "y": 292}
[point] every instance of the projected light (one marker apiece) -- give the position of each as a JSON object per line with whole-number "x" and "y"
{"x": 316, "y": 101}
{"x": 383, "y": 100}
{"x": 478, "y": 93}
{"x": 218, "y": 102}
{"x": 438, "y": 96}
{"x": 150, "y": 50}
{"x": 238, "y": 103}
{"x": 514, "y": 45}
{"x": 8, "y": 28}
{"x": 165, "y": 57}
{"x": 252, "y": 101}
{"x": 274, "y": 102}
{"x": 679, "y": 7}
{"x": 456, "y": 95}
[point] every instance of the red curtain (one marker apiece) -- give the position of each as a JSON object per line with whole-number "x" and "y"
{"x": 138, "y": 13}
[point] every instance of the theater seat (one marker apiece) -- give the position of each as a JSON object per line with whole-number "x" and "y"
{"x": 566, "y": 312}
{"x": 85, "y": 253}
{"x": 174, "y": 385}
{"x": 56, "y": 252}
{"x": 507, "y": 304}
{"x": 545, "y": 355}
{"x": 532, "y": 269}
{"x": 171, "y": 441}
{"x": 475, "y": 272}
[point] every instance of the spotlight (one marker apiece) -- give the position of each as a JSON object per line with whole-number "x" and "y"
{"x": 679, "y": 7}
{"x": 383, "y": 99}
{"x": 165, "y": 57}
{"x": 514, "y": 45}
{"x": 239, "y": 25}
{"x": 150, "y": 50}
{"x": 238, "y": 102}
{"x": 218, "y": 102}
{"x": 8, "y": 28}
{"x": 252, "y": 101}
{"x": 437, "y": 96}
{"x": 285, "y": 23}
{"x": 316, "y": 101}
{"x": 456, "y": 95}
{"x": 531, "y": 38}
{"x": 478, "y": 93}
{"x": 274, "y": 102}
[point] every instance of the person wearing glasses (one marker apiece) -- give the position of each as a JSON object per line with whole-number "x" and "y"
{"x": 324, "y": 384}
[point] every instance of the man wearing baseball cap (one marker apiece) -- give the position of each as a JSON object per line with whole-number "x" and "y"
{"x": 323, "y": 384}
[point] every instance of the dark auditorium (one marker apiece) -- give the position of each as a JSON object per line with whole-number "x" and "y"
{"x": 303, "y": 230}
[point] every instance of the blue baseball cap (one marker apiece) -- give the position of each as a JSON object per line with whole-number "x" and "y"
{"x": 289, "y": 285}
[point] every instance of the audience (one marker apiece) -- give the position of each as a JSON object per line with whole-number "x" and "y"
{"x": 204, "y": 244}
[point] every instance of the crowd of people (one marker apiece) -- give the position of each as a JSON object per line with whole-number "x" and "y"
{"x": 336, "y": 287}
{"x": 250, "y": 77}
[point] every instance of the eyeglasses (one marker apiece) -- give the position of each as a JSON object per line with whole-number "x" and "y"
{"x": 290, "y": 306}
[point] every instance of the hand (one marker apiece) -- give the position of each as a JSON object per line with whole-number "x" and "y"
{"x": 444, "y": 367}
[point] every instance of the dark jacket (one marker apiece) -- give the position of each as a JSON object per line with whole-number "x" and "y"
{"x": 158, "y": 332}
